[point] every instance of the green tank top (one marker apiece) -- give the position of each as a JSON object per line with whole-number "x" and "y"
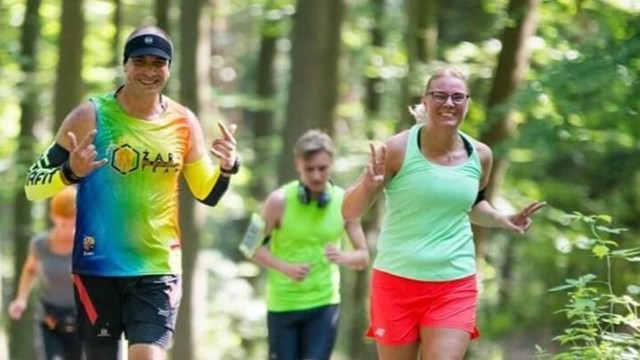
{"x": 426, "y": 234}
{"x": 304, "y": 232}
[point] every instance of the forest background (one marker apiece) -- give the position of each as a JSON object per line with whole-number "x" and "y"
{"x": 555, "y": 92}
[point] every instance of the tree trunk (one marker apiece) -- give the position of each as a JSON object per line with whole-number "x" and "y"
{"x": 314, "y": 74}
{"x": 372, "y": 99}
{"x": 116, "y": 62}
{"x": 68, "y": 92}
{"x": 184, "y": 341}
{"x": 262, "y": 118}
{"x": 421, "y": 46}
{"x": 513, "y": 63}
{"x": 355, "y": 321}
{"x": 426, "y": 36}
{"x": 21, "y": 332}
{"x": 162, "y": 15}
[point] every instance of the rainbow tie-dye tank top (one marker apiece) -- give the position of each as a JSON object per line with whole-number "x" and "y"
{"x": 127, "y": 218}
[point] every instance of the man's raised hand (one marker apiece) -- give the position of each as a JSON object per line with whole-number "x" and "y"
{"x": 82, "y": 157}
{"x": 224, "y": 148}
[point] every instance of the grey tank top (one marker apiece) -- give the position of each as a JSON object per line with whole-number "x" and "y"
{"x": 56, "y": 286}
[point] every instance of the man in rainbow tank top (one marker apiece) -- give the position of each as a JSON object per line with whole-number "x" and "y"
{"x": 126, "y": 150}
{"x": 303, "y": 228}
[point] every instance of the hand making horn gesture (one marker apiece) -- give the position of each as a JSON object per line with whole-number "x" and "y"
{"x": 374, "y": 172}
{"x": 224, "y": 148}
{"x": 82, "y": 157}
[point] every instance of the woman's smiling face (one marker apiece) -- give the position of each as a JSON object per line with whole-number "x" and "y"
{"x": 446, "y": 100}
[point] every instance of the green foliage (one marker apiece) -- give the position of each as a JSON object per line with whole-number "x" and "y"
{"x": 576, "y": 144}
{"x": 581, "y": 108}
{"x": 603, "y": 324}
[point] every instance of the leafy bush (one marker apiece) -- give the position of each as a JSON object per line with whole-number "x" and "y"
{"x": 603, "y": 324}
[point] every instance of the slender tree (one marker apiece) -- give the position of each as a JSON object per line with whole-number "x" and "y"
{"x": 314, "y": 74}
{"x": 162, "y": 14}
{"x": 21, "y": 332}
{"x": 190, "y": 41}
{"x": 513, "y": 63}
{"x": 68, "y": 91}
{"x": 357, "y": 290}
{"x": 372, "y": 97}
{"x": 116, "y": 60}
{"x": 263, "y": 117}
{"x": 421, "y": 39}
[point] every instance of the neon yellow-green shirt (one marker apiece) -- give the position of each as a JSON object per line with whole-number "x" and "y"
{"x": 304, "y": 232}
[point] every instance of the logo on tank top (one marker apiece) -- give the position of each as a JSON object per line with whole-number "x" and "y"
{"x": 88, "y": 246}
{"x": 125, "y": 159}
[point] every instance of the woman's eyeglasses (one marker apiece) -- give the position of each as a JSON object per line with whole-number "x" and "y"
{"x": 441, "y": 97}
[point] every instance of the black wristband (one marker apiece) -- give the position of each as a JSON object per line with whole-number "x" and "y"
{"x": 234, "y": 169}
{"x": 69, "y": 175}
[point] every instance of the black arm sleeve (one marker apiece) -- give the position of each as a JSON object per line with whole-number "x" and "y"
{"x": 53, "y": 157}
{"x": 220, "y": 187}
{"x": 44, "y": 178}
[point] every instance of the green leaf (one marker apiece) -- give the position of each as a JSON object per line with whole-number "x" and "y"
{"x": 562, "y": 287}
{"x": 626, "y": 252}
{"x": 587, "y": 278}
{"x": 585, "y": 304}
{"x": 633, "y": 289}
{"x": 611, "y": 231}
{"x": 605, "y": 218}
{"x": 600, "y": 251}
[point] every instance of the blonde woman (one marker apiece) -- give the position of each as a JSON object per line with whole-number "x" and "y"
{"x": 433, "y": 178}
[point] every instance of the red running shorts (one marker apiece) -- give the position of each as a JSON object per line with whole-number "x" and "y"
{"x": 401, "y": 306}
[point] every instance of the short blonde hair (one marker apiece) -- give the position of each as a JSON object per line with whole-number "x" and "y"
{"x": 313, "y": 142}
{"x": 451, "y": 71}
{"x": 417, "y": 110}
{"x": 63, "y": 204}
